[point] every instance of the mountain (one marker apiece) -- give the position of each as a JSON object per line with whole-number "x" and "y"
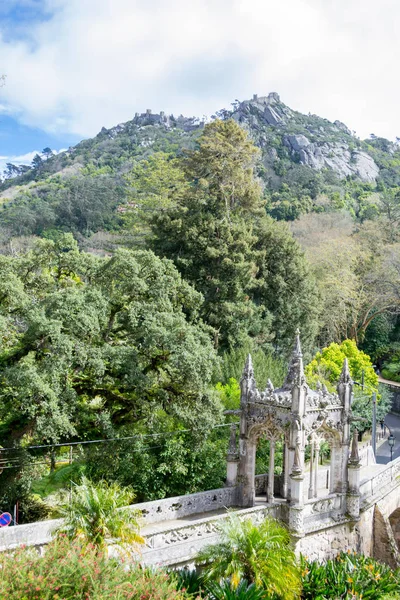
{"x": 307, "y": 164}
{"x": 307, "y": 140}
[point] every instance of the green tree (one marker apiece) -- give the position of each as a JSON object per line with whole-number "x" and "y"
{"x": 47, "y": 152}
{"x": 100, "y": 513}
{"x": 285, "y": 285}
{"x": 84, "y": 336}
{"x": 37, "y": 162}
{"x": 327, "y": 365}
{"x": 209, "y": 234}
{"x": 154, "y": 184}
{"x": 260, "y": 554}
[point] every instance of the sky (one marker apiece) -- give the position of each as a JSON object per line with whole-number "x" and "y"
{"x": 74, "y": 66}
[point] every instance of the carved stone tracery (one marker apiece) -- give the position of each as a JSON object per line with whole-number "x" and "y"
{"x": 297, "y": 415}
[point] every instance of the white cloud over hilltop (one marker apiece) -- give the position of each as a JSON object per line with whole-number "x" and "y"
{"x": 96, "y": 62}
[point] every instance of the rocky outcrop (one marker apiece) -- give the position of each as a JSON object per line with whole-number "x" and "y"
{"x": 268, "y": 110}
{"x": 335, "y": 156}
{"x": 323, "y": 145}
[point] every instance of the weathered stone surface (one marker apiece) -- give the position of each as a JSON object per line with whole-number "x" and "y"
{"x": 296, "y": 142}
{"x": 366, "y": 167}
{"x": 179, "y": 507}
{"x": 384, "y": 543}
{"x": 336, "y": 156}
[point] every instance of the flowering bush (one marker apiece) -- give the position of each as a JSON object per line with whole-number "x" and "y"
{"x": 349, "y": 577}
{"x": 70, "y": 570}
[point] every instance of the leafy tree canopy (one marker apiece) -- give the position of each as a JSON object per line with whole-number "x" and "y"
{"x": 248, "y": 268}
{"x": 84, "y": 336}
{"x": 327, "y": 365}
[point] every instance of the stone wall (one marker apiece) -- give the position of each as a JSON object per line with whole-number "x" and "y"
{"x": 374, "y": 534}
{"x": 174, "y": 545}
{"x": 178, "y": 507}
{"x": 168, "y": 509}
{"x": 32, "y": 534}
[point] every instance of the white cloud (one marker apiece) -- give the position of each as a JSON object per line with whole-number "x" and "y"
{"x": 97, "y": 62}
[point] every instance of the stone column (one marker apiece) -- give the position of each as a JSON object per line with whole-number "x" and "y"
{"x": 296, "y": 512}
{"x": 335, "y": 485}
{"x": 247, "y": 443}
{"x": 316, "y": 469}
{"x": 297, "y": 478}
{"x": 232, "y": 460}
{"x": 246, "y": 476}
{"x": 285, "y": 488}
{"x": 311, "y": 484}
{"x": 353, "y": 471}
{"x": 271, "y": 477}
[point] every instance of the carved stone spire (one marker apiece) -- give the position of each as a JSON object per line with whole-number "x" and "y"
{"x": 345, "y": 374}
{"x": 247, "y": 381}
{"x": 295, "y": 375}
{"x": 345, "y": 386}
{"x": 354, "y": 456}
{"x": 248, "y": 371}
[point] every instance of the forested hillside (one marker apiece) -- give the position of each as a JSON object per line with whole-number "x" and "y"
{"x": 139, "y": 268}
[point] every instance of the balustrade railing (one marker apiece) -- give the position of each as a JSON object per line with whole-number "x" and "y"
{"x": 374, "y": 484}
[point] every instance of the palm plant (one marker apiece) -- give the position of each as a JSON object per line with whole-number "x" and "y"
{"x": 261, "y": 554}
{"x": 99, "y": 512}
{"x": 189, "y": 580}
{"x": 243, "y": 591}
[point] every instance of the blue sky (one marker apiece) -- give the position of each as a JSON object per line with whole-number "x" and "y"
{"x": 73, "y": 66}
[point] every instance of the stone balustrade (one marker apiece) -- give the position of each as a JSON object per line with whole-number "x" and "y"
{"x": 178, "y": 507}
{"x": 374, "y": 485}
{"x": 171, "y": 545}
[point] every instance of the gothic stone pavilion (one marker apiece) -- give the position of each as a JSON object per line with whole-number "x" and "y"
{"x": 297, "y": 416}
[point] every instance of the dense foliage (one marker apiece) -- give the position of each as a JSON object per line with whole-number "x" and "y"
{"x": 99, "y": 513}
{"x": 89, "y": 340}
{"x": 259, "y": 554}
{"x": 73, "y": 571}
{"x": 349, "y": 576}
{"x": 250, "y": 271}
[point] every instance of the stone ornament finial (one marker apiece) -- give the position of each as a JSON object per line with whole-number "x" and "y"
{"x": 295, "y": 375}
{"x": 297, "y": 468}
{"x": 270, "y": 385}
{"x": 345, "y": 376}
{"x": 297, "y": 344}
{"x": 248, "y": 371}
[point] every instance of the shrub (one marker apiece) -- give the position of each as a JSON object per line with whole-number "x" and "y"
{"x": 99, "y": 512}
{"x": 71, "y": 570}
{"x": 348, "y": 576}
{"x": 261, "y": 554}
